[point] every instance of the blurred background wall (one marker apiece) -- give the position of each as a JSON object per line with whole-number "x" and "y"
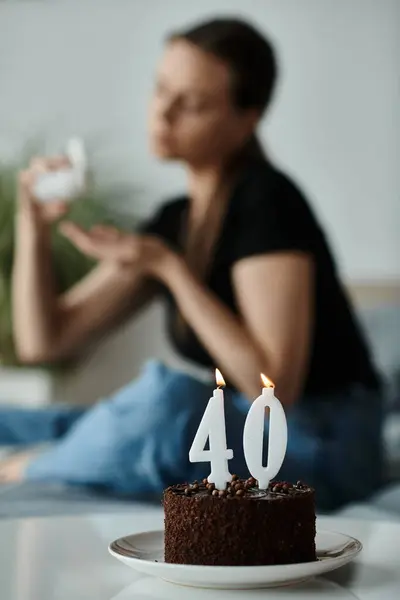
{"x": 86, "y": 67}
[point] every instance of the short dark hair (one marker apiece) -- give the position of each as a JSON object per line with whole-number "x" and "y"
{"x": 248, "y": 54}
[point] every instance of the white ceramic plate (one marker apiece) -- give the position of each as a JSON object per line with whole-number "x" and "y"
{"x": 144, "y": 552}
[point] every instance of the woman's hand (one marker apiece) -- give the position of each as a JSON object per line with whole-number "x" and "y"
{"x": 148, "y": 254}
{"x": 30, "y": 211}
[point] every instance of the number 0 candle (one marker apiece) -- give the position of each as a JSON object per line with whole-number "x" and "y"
{"x": 253, "y": 435}
{"x": 212, "y": 426}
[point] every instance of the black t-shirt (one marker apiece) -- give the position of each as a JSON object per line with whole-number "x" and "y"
{"x": 267, "y": 213}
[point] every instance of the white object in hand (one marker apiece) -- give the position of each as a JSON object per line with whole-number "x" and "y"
{"x": 212, "y": 426}
{"x": 253, "y": 436}
{"x": 64, "y": 184}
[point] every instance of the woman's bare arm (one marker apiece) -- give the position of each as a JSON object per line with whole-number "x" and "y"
{"x": 273, "y": 335}
{"x": 50, "y": 328}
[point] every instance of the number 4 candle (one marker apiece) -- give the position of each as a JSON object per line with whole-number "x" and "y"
{"x": 212, "y": 426}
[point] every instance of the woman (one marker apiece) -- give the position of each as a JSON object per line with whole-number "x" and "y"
{"x": 250, "y": 285}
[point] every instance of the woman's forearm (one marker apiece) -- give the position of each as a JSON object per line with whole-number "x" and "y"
{"x": 217, "y": 328}
{"x": 33, "y": 295}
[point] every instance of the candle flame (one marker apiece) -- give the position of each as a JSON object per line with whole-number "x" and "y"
{"x": 219, "y": 379}
{"x": 267, "y": 382}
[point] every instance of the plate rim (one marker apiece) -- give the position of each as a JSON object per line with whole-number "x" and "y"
{"x": 331, "y": 560}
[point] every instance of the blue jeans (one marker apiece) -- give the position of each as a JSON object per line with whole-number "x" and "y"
{"x": 137, "y": 442}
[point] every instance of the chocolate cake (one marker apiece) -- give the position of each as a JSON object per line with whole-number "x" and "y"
{"x": 241, "y": 525}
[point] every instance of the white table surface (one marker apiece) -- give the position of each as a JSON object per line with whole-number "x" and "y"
{"x": 67, "y": 559}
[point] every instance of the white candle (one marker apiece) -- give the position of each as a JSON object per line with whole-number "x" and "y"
{"x": 66, "y": 183}
{"x": 212, "y": 426}
{"x": 253, "y": 436}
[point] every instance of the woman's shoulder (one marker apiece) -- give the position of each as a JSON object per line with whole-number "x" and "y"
{"x": 172, "y": 206}
{"x": 270, "y": 214}
{"x": 264, "y": 185}
{"x": 165, "y": 218}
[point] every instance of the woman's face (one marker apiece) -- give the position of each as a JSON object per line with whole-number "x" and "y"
{"x": 192, "y": 117}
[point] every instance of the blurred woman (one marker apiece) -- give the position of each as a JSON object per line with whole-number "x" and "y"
{"x": 250, "y": 285}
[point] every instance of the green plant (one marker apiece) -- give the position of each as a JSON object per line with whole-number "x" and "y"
{"x": 69, "y": 265}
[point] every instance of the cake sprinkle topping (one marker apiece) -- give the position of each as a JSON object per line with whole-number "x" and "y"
{"x": 241, "y": 488}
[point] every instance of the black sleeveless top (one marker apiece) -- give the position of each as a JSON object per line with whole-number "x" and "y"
{"x": 267, "y": 213}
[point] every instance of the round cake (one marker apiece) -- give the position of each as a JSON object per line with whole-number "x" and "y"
{"x": 241, "y": 525}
